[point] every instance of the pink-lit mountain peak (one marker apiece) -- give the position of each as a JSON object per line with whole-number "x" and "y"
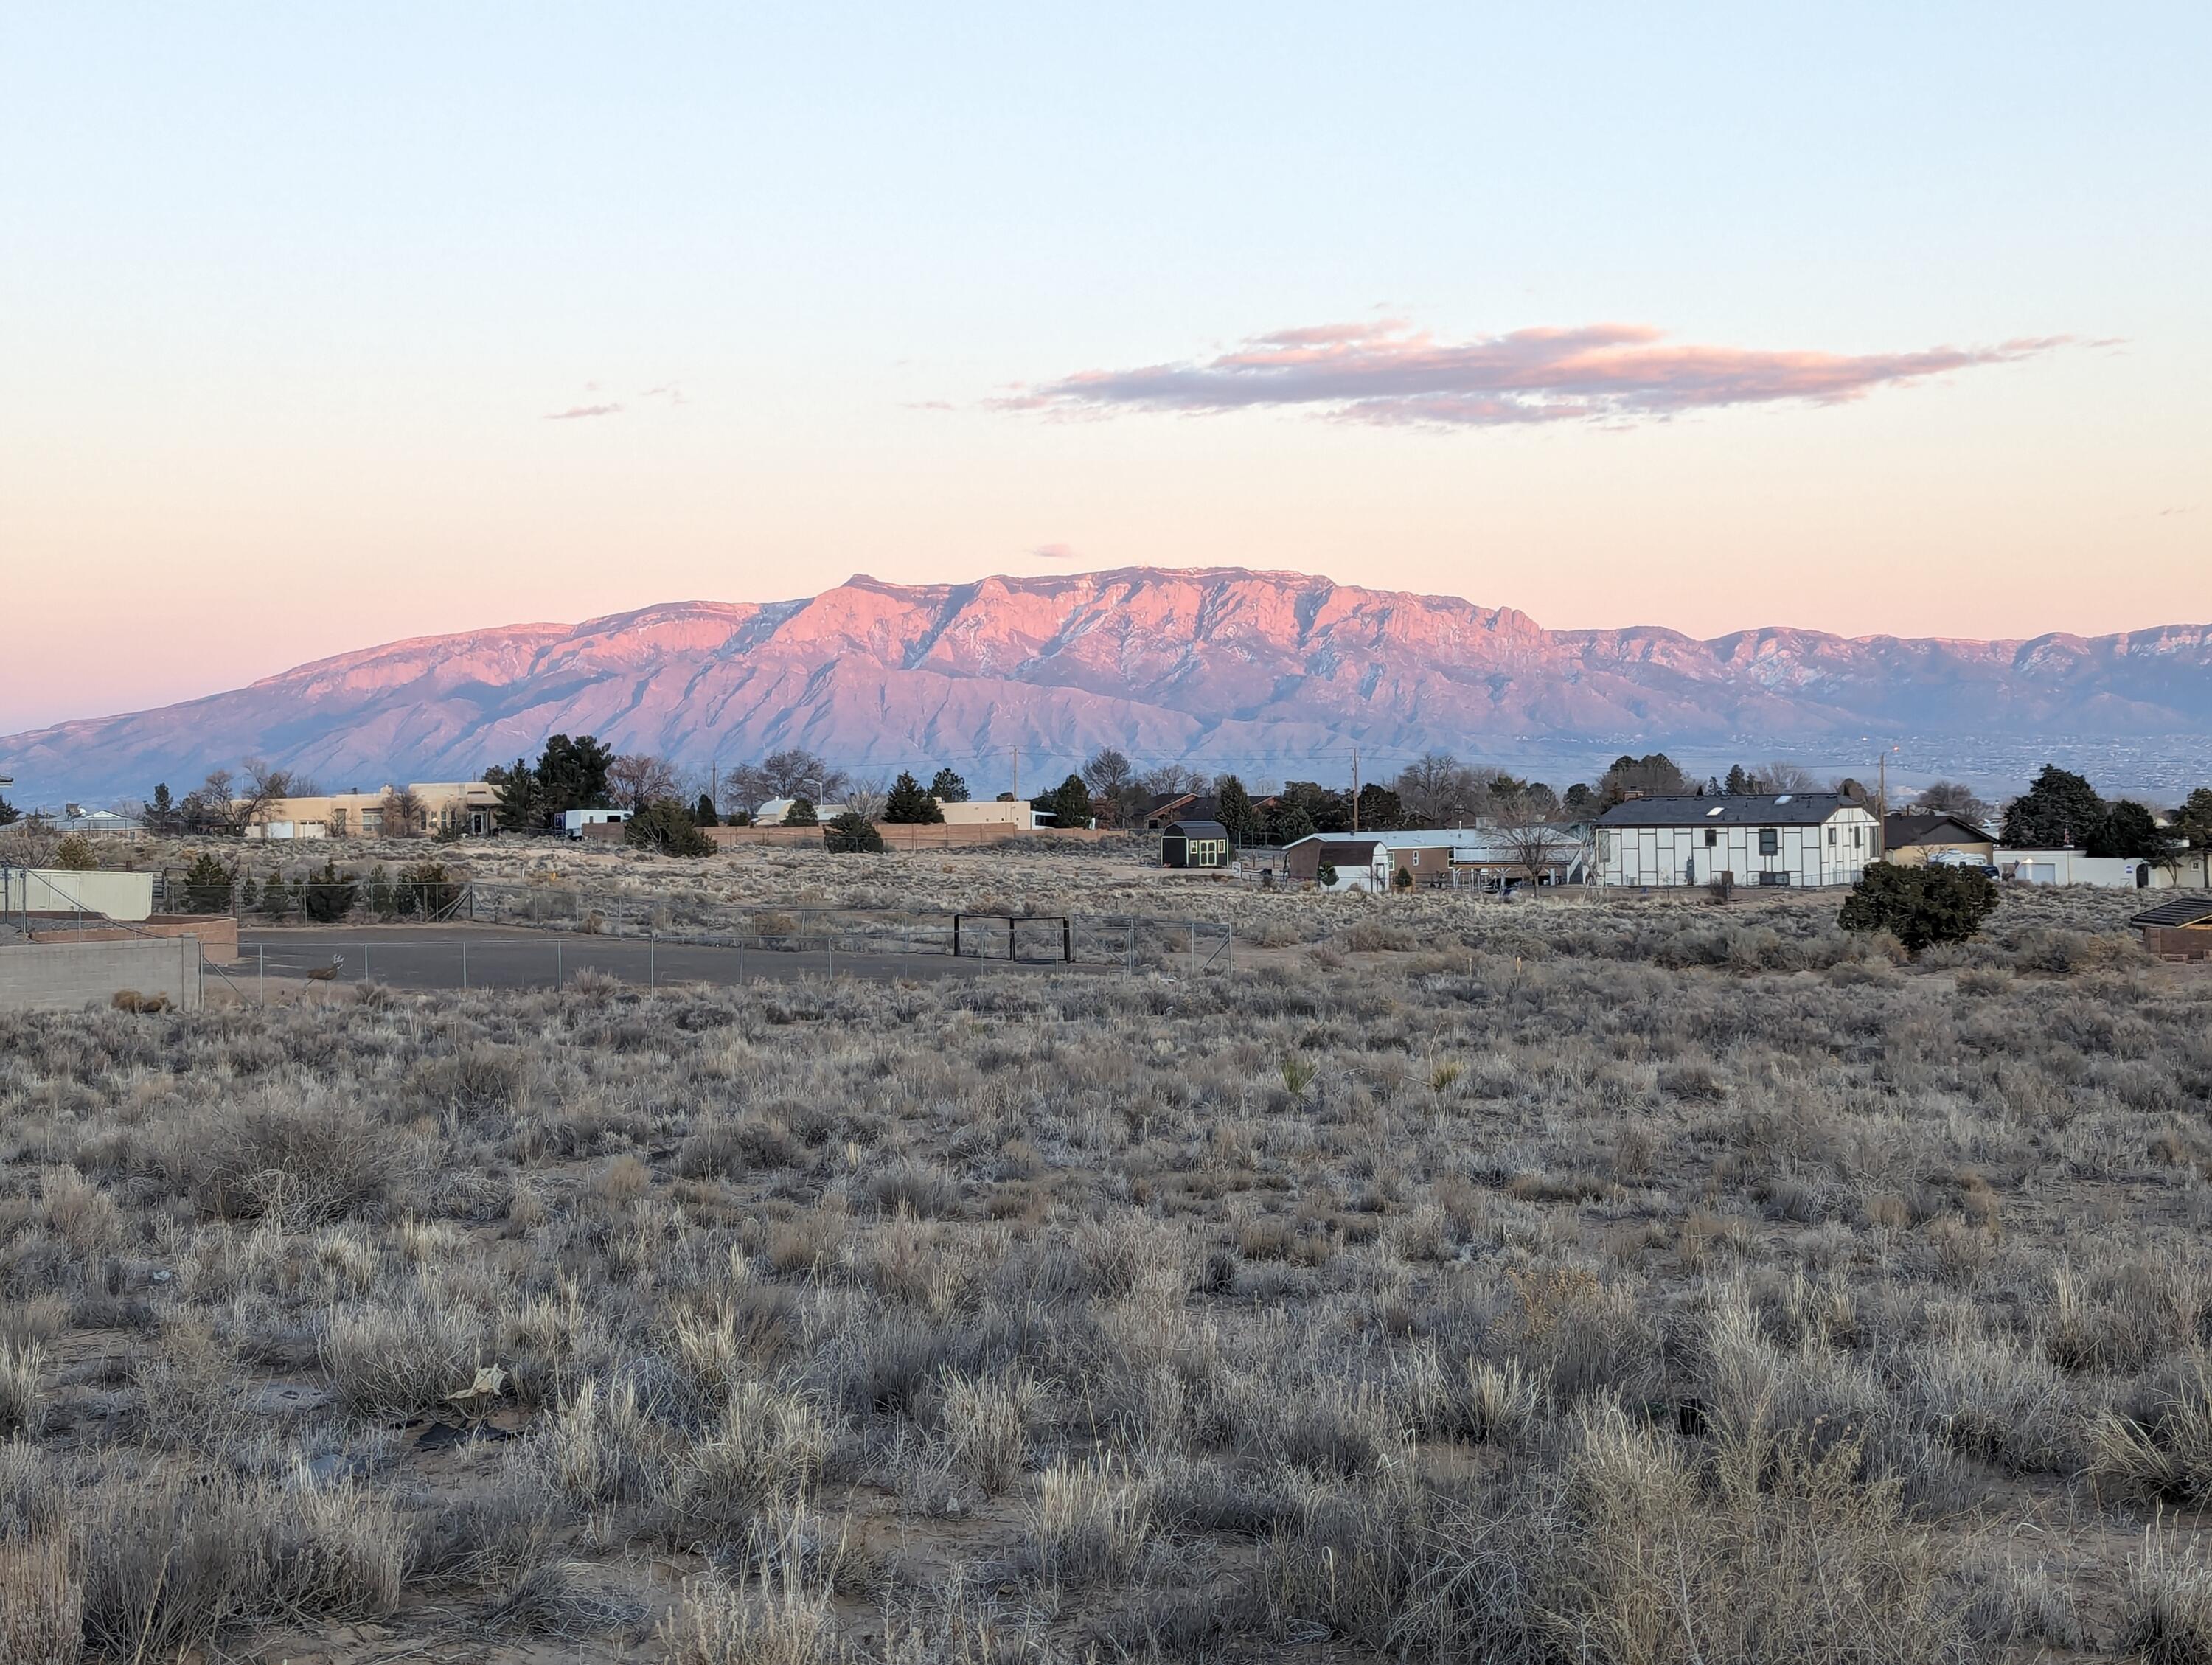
{"x": 1215, "y": 664}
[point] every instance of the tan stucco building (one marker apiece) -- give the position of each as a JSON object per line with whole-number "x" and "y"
{"x": 441, "y": 806}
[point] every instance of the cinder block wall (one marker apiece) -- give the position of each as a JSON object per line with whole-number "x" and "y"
{"x": 61, "y": 976}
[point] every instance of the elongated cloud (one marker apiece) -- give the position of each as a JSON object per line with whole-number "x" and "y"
{"x": 1390, "y": 373}
{"x": 574, "y": 411}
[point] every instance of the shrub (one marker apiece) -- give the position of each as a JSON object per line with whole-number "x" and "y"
{"x": 851, "y": 834}
{"x": 1919, "y": 906}
{"x": 328, "y": 897}
{"x": 207, "y": 886}
{"x": 666, "y": 827}
{"x": 74, "y": 854}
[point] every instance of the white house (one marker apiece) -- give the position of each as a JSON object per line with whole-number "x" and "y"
{"x": 1434, "y": 856}
{"x": 1793, "y": 838}
{"x": 2187, "y": 870}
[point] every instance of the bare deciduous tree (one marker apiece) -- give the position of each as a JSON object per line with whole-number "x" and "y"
{"x": 404, "y": 815}
{"x": 1955, "y": 798}
{"x": 639, "y": 778}
{"x": 1535, "y": 843}
{"x": 1438, "y": 790}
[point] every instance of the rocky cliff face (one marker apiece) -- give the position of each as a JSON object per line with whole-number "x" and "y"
{"x": 1254, "y": 670}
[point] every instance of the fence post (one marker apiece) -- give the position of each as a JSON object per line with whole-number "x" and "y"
{"x": 464, "y": 962}
{"x": 556, "y": 962}
{"x": 1129, "y": 949}
{"x": 830, "y": 943}
{"x": 741, "y": 962}
{"x": 653, "y": 959}
{"x": 1194, "y": 948}
{"x": 364, "y": 962}
{"x": 261, "y": 967}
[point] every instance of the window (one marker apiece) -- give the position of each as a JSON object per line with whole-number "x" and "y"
{"x": 1770, "y": 841}
{"x": 1774, "y": 878}
{"x": 1832, "y": 835}
{"x": 1858, "y": 838}
{"x": 1712, "y": 837}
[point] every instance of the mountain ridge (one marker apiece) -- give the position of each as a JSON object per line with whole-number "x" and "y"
{"x": 1205, "y": 664}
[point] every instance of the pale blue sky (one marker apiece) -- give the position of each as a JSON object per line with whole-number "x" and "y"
{"x": 287, "y": 294}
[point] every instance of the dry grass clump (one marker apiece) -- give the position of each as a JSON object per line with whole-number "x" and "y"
{"x": 1663, "y": 1283}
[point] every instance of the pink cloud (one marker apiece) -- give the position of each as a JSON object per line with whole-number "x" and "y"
{"x": 1056, "y": 552}
{"x": 1387, "y": 372}
{"x": 575, "y": 411}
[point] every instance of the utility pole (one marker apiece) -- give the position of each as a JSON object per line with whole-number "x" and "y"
{"x": 1014, "y": 754}
{"x": 1355, "y": 789}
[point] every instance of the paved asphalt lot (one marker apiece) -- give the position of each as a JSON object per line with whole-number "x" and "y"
{"x": 431, "y": 957}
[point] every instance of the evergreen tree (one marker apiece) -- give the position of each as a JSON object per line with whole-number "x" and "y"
{"x": 1232, "y": 808}
{"x": 801, "y": 813}
{"x": 161, "y": 810}
{"x": 2193, "y": 820}
{"x": 10, "y": 815}
{"x": 1653, "y": 775}
{"x": 1325, "y": 810}
{"x": 666, "y": 827}
{"x": 703, "y": 812}
{"x": 328, "y": 897}
{"x": 1069, "y": 803}
{"x": 2061, "y": 811}
{"x": 908, "y": 806}
{"x": 276, "y": 896}
{"x": 1919, "y": 906}
{"x": 2130, "y": 831}
{"x": 948, "y": 787}
{"x": 207, "y": 886}
{"x": 851, "y": 834}
{"x": 1381, "y": 810}
{"x": 1739, "y": 784}
{"x": 572, "y": 774}
{"x": 521, "y": 805}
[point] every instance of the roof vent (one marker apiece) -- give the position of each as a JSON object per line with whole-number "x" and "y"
{"x": 1783, "y": 799}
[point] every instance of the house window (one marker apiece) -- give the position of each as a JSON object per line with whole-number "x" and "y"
{"x": 1712, "y": 837}
{"x": 1770, "y": 841}
{"x": 1832, "y": 835}
{"x": 1774, "y": 878}
{"x": 1858, "y": 838}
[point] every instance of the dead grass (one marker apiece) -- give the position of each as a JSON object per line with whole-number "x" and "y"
{"x": 1662, "y": 1284}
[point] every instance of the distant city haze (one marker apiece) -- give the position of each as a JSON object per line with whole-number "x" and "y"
{"x": 324, "y": 328}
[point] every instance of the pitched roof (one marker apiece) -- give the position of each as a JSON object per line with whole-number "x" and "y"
{"x": 1898, "y": 830}
{"x": 2193, "y": 910}
{"x": 1194, "y": 830}
{"x": 1787, "y": 808}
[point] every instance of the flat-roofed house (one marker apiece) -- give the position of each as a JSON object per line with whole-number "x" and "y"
{"x": 1799, "y": 839}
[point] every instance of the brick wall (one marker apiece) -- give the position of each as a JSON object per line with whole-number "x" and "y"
{"x": 216, "y": 933}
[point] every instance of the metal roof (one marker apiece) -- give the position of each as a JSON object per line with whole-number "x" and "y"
{"x": 1194, "y": 829}
{"x": 1786, "y": 808}
{"x": 2194, "y": 910}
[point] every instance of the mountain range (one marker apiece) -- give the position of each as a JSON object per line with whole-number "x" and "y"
{"x": 1269, "y": 672}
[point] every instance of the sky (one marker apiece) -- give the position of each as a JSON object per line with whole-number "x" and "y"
{"x": 321, "y": 326}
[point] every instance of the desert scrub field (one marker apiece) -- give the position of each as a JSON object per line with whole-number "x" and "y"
{"x": 1651, "y": 1283}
